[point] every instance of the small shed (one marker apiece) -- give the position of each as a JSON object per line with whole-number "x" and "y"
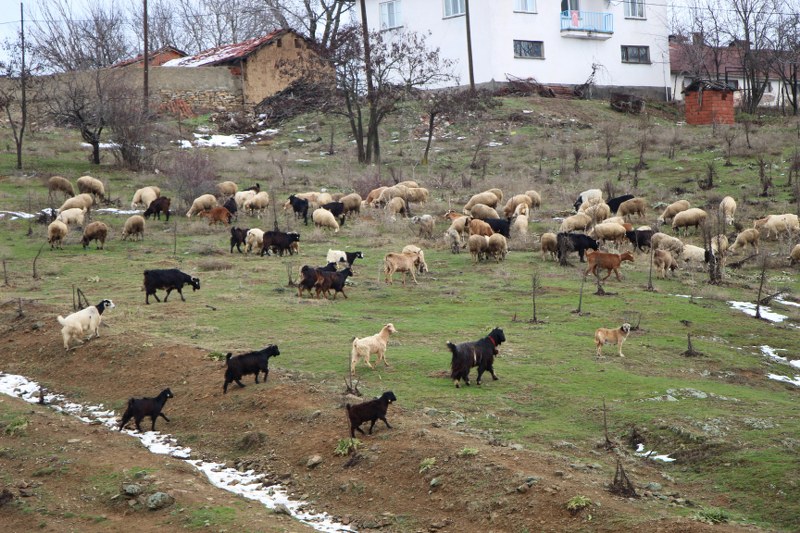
{"x": 709, "y": 102}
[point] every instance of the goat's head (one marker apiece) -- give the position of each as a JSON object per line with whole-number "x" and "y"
{"x": 626, "y": 328}
{"x": 388, "y": 397}
{"x": 390, "y": 328}
{"x": 498, "y": 335}
{"x": 195, "y": 283}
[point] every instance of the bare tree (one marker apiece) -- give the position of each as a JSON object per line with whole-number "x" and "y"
{"x": 14, "y": 96}
{"x": 207, "y": 24}
{"x": 729, "y": 135}
{"x": 787, "y": 54}
{"x": 66, "y": 39}
{"x": 321, "y": 20}
{"x": 136, "y": 141}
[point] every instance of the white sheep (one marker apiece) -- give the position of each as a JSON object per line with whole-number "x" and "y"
{"x": 73, "y": 216}
{"x": 426, "y": 224}
{"x": 485, "y": 198}
{"x": 478, "y": 247}
{"x": 60, "y": 183}
{"x": 595, "y": 200}
{"x": 396, "y": 191}
{"x": 324, "y": 219}
{"x": 227, "y": 188}
{"x": 608, "y": 232}
{"x": 254, "y": 240}
{"x": 83, "y": 200}
{"x": 719, "y": 244}
{"x": 521, "y": 209}
{"x": 396, "y": 206}
{"x": 727, "y": 208}
{"x": 134, "y": 226}
{"x": 519, "y": 225}
{"x": 144, "y": 197}
{"x": 586, "y": 195}
{"x": 536, "y": 198}
{"x": 453, "y": 239}
{"x": 598, "y": 212}
{"x": 417, "y": 195}
{"x": 673, "y": 209}
{"x": 202, "y": 203}
{"x": 694, "y": 216}
{"x": 514, "y": 202}
{"x": 411, "y": 184}
{"x": 778, "y": 224}
{"x": 579, "y": 221}
{"x": 84, "y": 321}
{"x": 56, "y": 233}
{"x": 352, "y": 203}
{"x": 90, "y": 185}
{"x": 749, "y": 236}
{"x": 374, "y": 344}
{"x": 373, "y": 195}
{"x": 257, "y": 204}
{"x": 549, "y": 245}
{"x": 497, "y": 247}
{"x": 794, "y": 256}
{"x": 242, "y": 196}
{"x": 634, "y": 206}
{"x": 461, "y": 225}
{"x": 662, "y": 241}
{"x": 663, "y": 263}
{"x": 497, "y": 192}
{"x": 414, "y": 249}
{"x": 483, "y": 211}
{"x": 693, "y": 254}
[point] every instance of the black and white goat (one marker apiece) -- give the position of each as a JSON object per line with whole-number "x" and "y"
{"x": 84, "y": 321}
{"x": 478, "y": 353}
{"x": 142, "y": 407}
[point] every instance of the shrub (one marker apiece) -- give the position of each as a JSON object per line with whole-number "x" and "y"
{"x": 713, "y": 515}
{"x": 347, "y": 446}
{"x": 578, "y": 503}
{"x": 191, "y": 173}
{"x": 427, "y": 464}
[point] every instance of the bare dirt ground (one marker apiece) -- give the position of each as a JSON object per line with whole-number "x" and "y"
{"x": 66, "y": 476}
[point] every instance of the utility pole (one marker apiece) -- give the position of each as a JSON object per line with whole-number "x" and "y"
{"x": 469, "y": 48}
{"x": 146, "y": 81}
{"x": 23, "y": 82}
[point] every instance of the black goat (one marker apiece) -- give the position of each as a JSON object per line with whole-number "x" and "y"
{"x": 138, "y": 409}
{"x": 256, "y": 187}
{"x": 230, "y": 205}
{"x": 170, "y": 279}
{"x": 158, "y": 206}
{"x": 300, "y": 207}
{"x": 309, "y": 276}
{"x": 372, "y": 410}
{"x": 279, "y": 242}
{"x": 337, "y": 210}
{"x": 499, "y": 225}
{"x": 574, "y": 242}
{"x": 640, "y": 238}
{"x": 332, "y": 280}
{"x": 614, "y": 203}
{"x": 248, "y": 363}
{"x": 478, "y": 353}
{"x": 238, "y": 237}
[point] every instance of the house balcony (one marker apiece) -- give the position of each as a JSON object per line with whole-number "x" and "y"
{"x": 587, "y": 25}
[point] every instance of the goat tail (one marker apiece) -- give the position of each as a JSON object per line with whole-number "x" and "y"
{"x": 131, "y": 402}
{"x": 453, "y": 348}
{"x": 61, "y": 320}
{"x": 347, "y": 407}
{"x": 228, "y": 357}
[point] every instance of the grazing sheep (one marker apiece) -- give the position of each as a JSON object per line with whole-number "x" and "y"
{"x": 404, "y": 263}
{"x": 778, "y": 224}
{"x": 521, "y": 209}
{"x": 694, "y": 216}
{"x": 478, "y": 353}
{"x": 158, "y": 206}
{"x": 90, "y": 185}
{"x": 170, "y": 279}
{"x": 370, "y": 411}
{"x": 519, "y": 224}
{"x": 673, "y": 209}
{"x": 417, "y": 195}
{"x": 549, "y": 244}
{"x": 614, "y": 203}
{"x": 227, "y": 188}
{"x": 749, "y": 236}
{"x": 81, "y": 201}
{"x": 142, "y": 407}
{"x": 514, "y": 202}
{"x": 217, "y": 214}
{"x": 60, "y": 183}
{"x": 794, "y": 256}
{"x": 374, "y": 194}
{"x": 479, "y": 227}
{"x": 397, "y": 206}
{"x": 242, "y": 196}
{"x": 608, "y": 232}
{"x": 453, "y": 239}
{"x": 254, "y": 240}
{"x": 478, "y": 247}
{"x": 84, "y": 321}
{"x": 634, "y": 206}
{"x": 248, "y": 363}
{"x": 145, "y": 196}
{"x": 352, "y": 203}
{"x": 536, "y": 199}
{"x": 727, "y": 208}
{"x": 663, "y": 241}
{"x": 134, "y": 226}
{"x": 611, "y": 336}
{"x": 396, "y": 191}
{"x": 72, "y": 216}
{"x": 598, "y": 212}
{"x": 586, "y": 195}
{"x": 257, "y": 204}
{"x": 610, "y": 262}
{"x": 412, "y": 248}
{"x": 497, "y": 192}
{"x": 202, "y": 203}
{"x": 719, "y": 244}
{"x": 498, "y": 247}
{"x": 411, "y": 184}
{"x": 461, "y": 225}
{"x": 95, "y": 231}
{"x": 426, "y": 224}
{"x": 483, "y": 211}
{"x": 56, "y": 233}
{"x": 663, "y": 262}
{"x": 324, "y": 219}
{"x": 579, "y": 221}
{"x": 485, "y": 198}
{"x": 597, "y": 200}
{"x": 374, "y": 344}
{"x": 694, "y": 254}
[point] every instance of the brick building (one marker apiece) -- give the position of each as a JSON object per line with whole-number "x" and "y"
{"x": 709, "y": 102}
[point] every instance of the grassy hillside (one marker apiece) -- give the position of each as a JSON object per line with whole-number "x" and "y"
{"x": 732, "y": 431}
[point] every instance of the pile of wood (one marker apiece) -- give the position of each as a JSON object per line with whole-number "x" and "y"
{"x": 298, "y": 98}
{"x": 627, "y": 103}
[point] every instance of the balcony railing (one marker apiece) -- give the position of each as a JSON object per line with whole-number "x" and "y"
{"x": 587, "y": 23}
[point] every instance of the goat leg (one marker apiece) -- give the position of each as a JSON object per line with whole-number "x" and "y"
{"x": 386, "y": 422}
{"x": 181, "y": 293}
{"x": 167, "y": 296}
{"x": 162, "y": 415}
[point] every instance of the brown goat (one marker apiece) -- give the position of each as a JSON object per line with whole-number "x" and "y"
{"x": 610, "y": 262}
{"x": 479, "y": 227}
{"x": 217, "y": 214}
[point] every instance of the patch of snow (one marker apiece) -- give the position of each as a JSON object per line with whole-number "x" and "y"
{"x": 641, "y": 452}
{"x": 247, "y": 484}
{"x": 302, "y": 161}
{"x": 785, "y": 379}
{"x": 750, "y": 309}
{"x": 224, "y": 141}
{"x": 786, "y": 302}
{"x": 103, "y": 146}
{"x": 268, "y": 131}
{"x": 687, "y": 296}
{"x": 526, "y": 111}
{"x": 771, "y": 353}
{"x": 115, "y": 211}
{"x": 460, "y": 138}
{"x": 16, "y": 214}
{"x": 494, "y": 144}
{"x": 183, "y": 143}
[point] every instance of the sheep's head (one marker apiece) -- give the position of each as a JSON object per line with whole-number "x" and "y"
{"x": 390, "y": 328}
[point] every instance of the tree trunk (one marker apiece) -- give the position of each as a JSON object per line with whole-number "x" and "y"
{"x": 431, "y": 121}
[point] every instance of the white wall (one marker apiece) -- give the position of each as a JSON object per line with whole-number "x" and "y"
{"x": 495, "y": 26}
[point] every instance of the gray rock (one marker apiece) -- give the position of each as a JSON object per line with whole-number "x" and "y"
{"x": 314, "y": 461}
{"x": 282, "y": 509}
{"x": 159, "y": 500}
{"x": 435, "y": 482}
{"x": 653, "y": 486}
{"x": 131, "y": 489}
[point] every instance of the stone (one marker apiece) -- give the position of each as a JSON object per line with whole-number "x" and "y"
{"x": 435, "y": 482}
{"x": 282, "y": 509}
{"x": 653, "y": 486}
{"x": 159, "y": 500}
{"x": 131, "y": 489}
{"x": 314, "y": 461}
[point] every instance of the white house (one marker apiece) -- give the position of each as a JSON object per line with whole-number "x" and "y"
{"x": 555, "y": 42}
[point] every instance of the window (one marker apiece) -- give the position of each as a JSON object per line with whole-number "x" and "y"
{"x": 390, "y": 15}
{"x": 525, "y": 6}
{"x": 634, "y": 9}
{"x": 570, "y": 5}
{"x": 529, "y": 49}
{"x": 636, "y": 54}
{"x": 453, "y": 8}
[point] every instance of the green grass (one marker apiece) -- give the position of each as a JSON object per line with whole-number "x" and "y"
{"x": 210, "y": 517}
{"x": 551, "y": 385}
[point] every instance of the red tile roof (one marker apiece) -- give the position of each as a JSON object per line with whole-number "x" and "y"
{"x": 226, "y": 53}
{"x": 153, "y": 57}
